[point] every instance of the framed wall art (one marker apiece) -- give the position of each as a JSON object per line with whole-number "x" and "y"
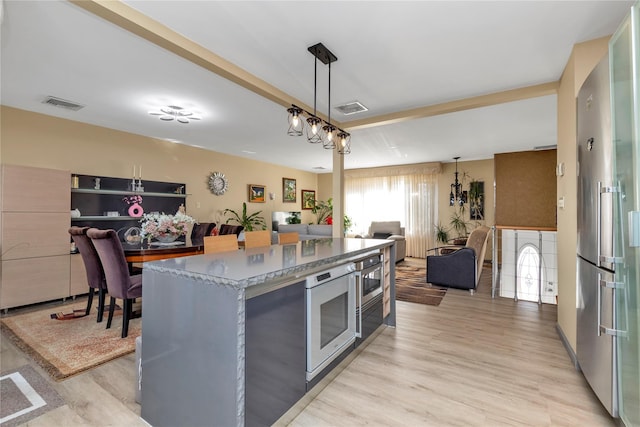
{"x": 476, "y": 200}
{"x": 308, "y": 199}
{"x": 256, "y": 193}
{"x": 288, "y": 190}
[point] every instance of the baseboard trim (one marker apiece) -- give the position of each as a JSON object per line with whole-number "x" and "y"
{"x": 567, "y": 346}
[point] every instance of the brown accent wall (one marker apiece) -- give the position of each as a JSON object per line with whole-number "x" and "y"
{"x": 526, "y": 188}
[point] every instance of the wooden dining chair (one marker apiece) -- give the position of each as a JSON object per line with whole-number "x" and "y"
{"x": 255, "y": 239}
{"x": 93, "y": 267}
{"x": 292, "y": 237}
{"x": 116, "y": 270}
{"x": 223, "y": 243}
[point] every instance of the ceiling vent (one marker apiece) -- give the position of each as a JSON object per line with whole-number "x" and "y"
{"x": 351, "y": 108}
{"x": 58, "y": 102}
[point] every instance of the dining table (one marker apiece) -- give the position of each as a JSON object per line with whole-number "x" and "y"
{"x": 154, "y": 251}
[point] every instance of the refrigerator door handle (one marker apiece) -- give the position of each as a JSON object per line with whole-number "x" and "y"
{"x": 599, "y": 297}
{"x": 602, "y": 329}
{"x": 599, "y": 237}
{"x": 613, "y": 332}
{"x": 604, "y": 189}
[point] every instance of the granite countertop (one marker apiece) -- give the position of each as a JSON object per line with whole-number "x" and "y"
{"x": 255, "y": 266}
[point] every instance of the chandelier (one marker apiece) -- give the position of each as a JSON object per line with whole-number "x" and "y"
{"x": 457, "y": 196}
{"x": 174, "y": 112}
{"x": 318, "y": 130}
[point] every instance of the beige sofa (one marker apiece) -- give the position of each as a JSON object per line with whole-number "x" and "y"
{"x": 461, "y": 268}
{"x": 389, "y": 230}
{"x": 307, "y": 231}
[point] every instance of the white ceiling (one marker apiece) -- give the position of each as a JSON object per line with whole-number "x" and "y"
{"x": 392, "y": 56}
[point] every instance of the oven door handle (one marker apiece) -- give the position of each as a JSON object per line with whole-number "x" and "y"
{"x": 359, "y": 298}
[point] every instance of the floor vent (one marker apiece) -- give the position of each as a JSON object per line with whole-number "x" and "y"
{"x": 351, "y": 108}
{"x": 57, "y": 102}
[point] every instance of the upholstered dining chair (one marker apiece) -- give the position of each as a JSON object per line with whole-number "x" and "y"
{"x": 255, "y": 239}
{"x": 230, "y": 229}
{"x": 201, "y": 230}
{"x": 119, "y": 283}
{"x": 93, "y": 267}
{"x": 224, "y": 243}
{"x": 292, "y": 237}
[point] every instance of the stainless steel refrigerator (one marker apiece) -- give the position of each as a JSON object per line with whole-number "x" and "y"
{"x": 596, "y": 257}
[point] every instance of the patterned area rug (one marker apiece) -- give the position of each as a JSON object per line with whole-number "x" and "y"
{"x": 411, "y": 286}
{"x": 72, "y": 346}
{"x": 25, "y": 395}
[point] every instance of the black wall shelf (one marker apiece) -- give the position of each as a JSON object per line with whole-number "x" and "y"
{"x": 94, "y": 204}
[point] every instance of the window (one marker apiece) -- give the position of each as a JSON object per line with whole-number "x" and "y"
{"x": 404, "y": 193}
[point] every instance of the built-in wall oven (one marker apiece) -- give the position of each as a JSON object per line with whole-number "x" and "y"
{"x": 369, "y": 283}
{"x": 331, "y": 316}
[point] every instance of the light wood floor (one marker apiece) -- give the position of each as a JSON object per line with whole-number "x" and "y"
{"x": 472, "y": 361}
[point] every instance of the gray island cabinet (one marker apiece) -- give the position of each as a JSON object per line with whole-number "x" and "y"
{"x": 224, "y": 335}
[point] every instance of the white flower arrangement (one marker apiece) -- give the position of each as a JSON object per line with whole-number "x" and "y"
{"x": 161, "y": 225}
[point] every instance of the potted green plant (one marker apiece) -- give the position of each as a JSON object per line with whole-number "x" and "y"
{"x": 322, "y": 210}
{"x": 348, "y": 222}
{"x": 460, "y": 226}
{"x": 248, "y": 222}
{"x": 442, "y": 234}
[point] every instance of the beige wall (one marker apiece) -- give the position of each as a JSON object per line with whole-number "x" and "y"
{"x": 325, "y": 186}
{"x": 32, "y": 139}
{"x": 584, "y": 57}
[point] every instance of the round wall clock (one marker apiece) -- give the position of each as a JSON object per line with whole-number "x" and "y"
{"x": 218, "y": 183}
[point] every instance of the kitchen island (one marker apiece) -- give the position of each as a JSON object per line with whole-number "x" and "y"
{"x": 224, "y": 335}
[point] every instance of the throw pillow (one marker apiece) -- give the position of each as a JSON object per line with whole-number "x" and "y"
{"x": 381, "y": 235}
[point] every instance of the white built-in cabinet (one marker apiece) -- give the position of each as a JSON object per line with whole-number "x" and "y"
{"x": 35, "y": 241}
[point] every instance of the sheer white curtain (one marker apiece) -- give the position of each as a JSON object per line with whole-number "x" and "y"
{"x": 403, "y": 193}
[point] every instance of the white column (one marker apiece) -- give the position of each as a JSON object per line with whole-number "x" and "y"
{"x": 338, "y": 194}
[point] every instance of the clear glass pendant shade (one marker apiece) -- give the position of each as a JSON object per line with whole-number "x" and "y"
{"x": 296, "y": 121}
{"x": 314, "y": 130}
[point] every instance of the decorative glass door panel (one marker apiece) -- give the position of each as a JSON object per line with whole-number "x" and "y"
{"x": 625, "y": 58}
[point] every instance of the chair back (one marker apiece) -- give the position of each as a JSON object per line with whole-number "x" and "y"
{"x": 92, "y": 264}
{"x": 230, "y": 229}
{"x": 224, "y": 243}
{"x": 116, "y": 269}
{"x": 254, "y": 239}
{"x": 288, "y": 238}
{"x": 386, "y": 227}
{"x": 201, "y": 230}
{"x": 478, "y": 242}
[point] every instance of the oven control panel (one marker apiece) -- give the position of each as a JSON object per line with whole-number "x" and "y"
{"x": 320, "y": 278}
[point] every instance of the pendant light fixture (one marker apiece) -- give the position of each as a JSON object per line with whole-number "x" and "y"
{"x": 314, "y": 128}
{"x": 318, "y": 130}
{"x": 295, "y": 121}
{"x": 329, "y": 129}
{"x": 456, "y": 196}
